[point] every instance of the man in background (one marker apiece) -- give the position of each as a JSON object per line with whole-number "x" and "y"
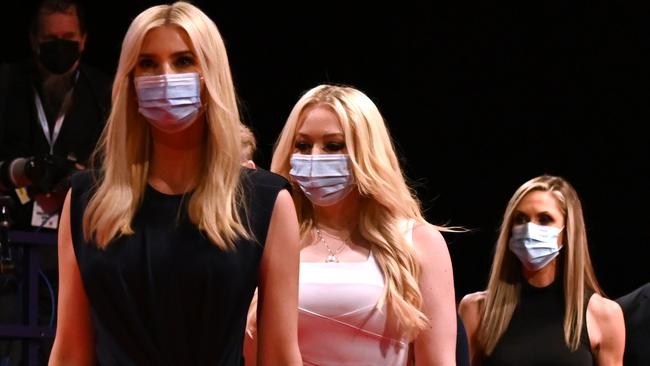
{"x": 53, "y": 108}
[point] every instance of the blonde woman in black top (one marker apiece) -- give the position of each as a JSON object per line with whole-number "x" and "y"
{"x": 161, "y": 249}
{"x": 543, "y": 305}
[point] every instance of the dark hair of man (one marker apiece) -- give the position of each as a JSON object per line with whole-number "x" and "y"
{"x": 47, "y": 7}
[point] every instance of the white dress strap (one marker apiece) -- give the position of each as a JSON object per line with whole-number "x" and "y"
{"x": 407, "y": 226}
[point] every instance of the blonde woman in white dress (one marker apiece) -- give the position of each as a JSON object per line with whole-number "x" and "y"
{"x": 376, "y": 282}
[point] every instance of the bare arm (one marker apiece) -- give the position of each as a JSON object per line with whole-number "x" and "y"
{"x": 74, "y": 343}
{"x": 470, "y": 311}
{"x": 250, "y": 336}
{"x": 436, "y": 344}
{"x": 277, "y": 308}
{"x": 606, "y": 329}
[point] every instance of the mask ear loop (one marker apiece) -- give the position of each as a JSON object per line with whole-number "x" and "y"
{"x": 204, "y": 90}
{"x": 561, "y": 234}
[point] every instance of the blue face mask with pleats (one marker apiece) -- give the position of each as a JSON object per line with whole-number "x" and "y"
{"x": 170, "y": 102}
{"x": 325, "y": 179}
{"x": 534, "y": 245}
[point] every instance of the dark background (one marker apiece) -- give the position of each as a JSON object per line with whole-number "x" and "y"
{"x": 479, "y": 98}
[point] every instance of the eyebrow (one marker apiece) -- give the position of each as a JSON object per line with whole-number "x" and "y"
{"x": 333, "y": 134}
{"x": 175, "y": 54}
{"x": 537, "y": 214}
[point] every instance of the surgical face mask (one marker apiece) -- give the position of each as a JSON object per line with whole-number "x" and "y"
{"x": 325, "y": 179}
{"x": 58, "y": 55}
{"x": 170, "y": 102}
{"x": 534, "y": 245}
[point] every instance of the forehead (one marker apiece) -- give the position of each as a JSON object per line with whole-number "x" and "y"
{"x": 538, "y": 201}
{"x": 320, "y": 120}
{"x": 57, "y": 22}
{"x": 165, "y": 40}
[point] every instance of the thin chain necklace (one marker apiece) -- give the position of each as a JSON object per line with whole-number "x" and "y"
{"x": 332, "y": 254}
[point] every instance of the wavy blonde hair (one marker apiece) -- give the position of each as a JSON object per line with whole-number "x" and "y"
{"x": 505, "y": 277}
{"x": 125, "y": 145}
{"x": 387, "y": 200}
{"x": 249, "y": 143}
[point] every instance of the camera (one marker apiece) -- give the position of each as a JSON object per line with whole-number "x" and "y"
{"x": 41, "y": 174}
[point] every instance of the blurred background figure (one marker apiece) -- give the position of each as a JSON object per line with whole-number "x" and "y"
{"x": 53, "y": 108}
{"x": 248, "y": 147}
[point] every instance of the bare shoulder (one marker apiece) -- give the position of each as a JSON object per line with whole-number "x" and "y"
{"x": 427, "y": 239}
{"x": 284, "y": 200}
{"x": 473, "y": 302}
{"x": 283, "y": 221}
{"x": 470, "y": 311}
{"x": 474, "y": 297}
{"x": 606, "y": 328}
{"x": 432, "y": 253}
{"x": 604, "y": 310}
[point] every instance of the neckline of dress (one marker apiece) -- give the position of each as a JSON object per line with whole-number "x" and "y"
{"x": 170, "y": 195}
{"x": 370, "y": 259}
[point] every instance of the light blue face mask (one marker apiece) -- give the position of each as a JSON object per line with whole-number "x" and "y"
{"x": 534, "y": 245}
{"x": 170, "y": 102}
{"x": 325, "y": 179}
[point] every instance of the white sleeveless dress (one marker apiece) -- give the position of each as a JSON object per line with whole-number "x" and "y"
{"x": 339, "y": 323}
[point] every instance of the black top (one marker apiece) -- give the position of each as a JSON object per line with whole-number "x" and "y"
{"x": 636, "y": 310}
{"x": 535, "y": 335}
{"x": 166, "y": 295}
{"x": 462, "y": 348}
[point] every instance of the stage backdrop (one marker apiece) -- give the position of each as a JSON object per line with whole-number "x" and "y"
{"x": 479, "y": 98}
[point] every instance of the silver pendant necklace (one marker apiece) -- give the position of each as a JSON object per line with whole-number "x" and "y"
{"x": 332, "y": 254}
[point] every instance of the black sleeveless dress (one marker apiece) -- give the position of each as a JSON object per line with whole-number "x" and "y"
{"x": 166, "y": 295}
{"x": 535, "y": 335}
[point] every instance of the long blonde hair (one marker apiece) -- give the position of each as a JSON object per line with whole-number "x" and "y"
{"x": 387, "y": 200}
{"x": 505, "y": 277}
{"x": 125, "y": 145}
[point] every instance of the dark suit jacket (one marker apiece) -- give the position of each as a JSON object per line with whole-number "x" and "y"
{"x": 21, "y": 134}
{"x": 462, "y": 344}
{"x": 636, "y": 310}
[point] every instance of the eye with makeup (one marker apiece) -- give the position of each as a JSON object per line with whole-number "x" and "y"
{"x": 520, "y": 219}
{"x": 334, "y": 147}
{"x": 302, "y": 147}
{"x": 305, "y": 147}
{"x": 146, "y": 63}
{"x": 542, "y": 218}
{"x": 545, "y": 219}
{"x": 185, "y": 60}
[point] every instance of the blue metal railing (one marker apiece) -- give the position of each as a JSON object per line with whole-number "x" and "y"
{"x": 30, "y": 332}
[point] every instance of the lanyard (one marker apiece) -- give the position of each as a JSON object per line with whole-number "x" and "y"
{"x": 42, "y": 119}
{"x": 51, "y": 138}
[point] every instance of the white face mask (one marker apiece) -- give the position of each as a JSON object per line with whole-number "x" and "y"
{"x": 534, "y": 245}
{"x": 170, "y": 102}
{"x": 325, "y": 179}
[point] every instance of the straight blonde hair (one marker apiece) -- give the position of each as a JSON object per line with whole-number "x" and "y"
{"x": 125, "y": 145}
{"x": 505, "y": 277}
{"x": 387, "y": 200}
